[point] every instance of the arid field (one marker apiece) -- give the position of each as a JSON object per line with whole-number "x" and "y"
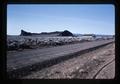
{"x": 98, "y": 64}
{"x": 60, "y": 57}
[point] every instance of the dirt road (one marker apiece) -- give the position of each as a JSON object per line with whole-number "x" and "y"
{"x": 98, "y": 64}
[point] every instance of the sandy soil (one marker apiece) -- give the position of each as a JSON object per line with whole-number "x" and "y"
{"x": 92, "y": 65}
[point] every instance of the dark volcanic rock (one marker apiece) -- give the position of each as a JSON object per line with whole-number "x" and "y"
{"x": 56, "y": 32}
{"x": 24, "y": 33}
{"x": 66, "y": 33}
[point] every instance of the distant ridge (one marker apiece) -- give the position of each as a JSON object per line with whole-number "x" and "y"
{"x": 56, "y": 33}
{"x": 25, "y": 33}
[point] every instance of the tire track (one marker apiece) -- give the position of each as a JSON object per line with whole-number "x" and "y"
{"x": 102, "y": 68}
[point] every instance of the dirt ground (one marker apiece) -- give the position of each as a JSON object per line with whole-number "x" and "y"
{"x": 97, "y": 64}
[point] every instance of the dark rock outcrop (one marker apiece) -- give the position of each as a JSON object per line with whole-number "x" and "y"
{"x": 66, "y": 33}
{"x": 56, "y": 32}
{"x": 24, "y": 33}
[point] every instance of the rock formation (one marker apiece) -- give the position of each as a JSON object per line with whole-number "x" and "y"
{"x": 58, "y": 33}
{"x": 24, "y": 33}
{"x": 66, "y": 33}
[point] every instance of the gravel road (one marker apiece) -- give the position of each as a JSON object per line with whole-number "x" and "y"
{"x": 97, "y": 64}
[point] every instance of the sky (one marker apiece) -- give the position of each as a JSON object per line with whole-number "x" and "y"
{"x": 76, "y": 18}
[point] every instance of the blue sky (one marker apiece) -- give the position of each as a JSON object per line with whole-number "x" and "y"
{"x": 77, "y": 18}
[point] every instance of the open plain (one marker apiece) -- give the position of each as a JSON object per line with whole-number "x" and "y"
{"x": 97, "y": 64}
{"x": 26, "y": 62}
